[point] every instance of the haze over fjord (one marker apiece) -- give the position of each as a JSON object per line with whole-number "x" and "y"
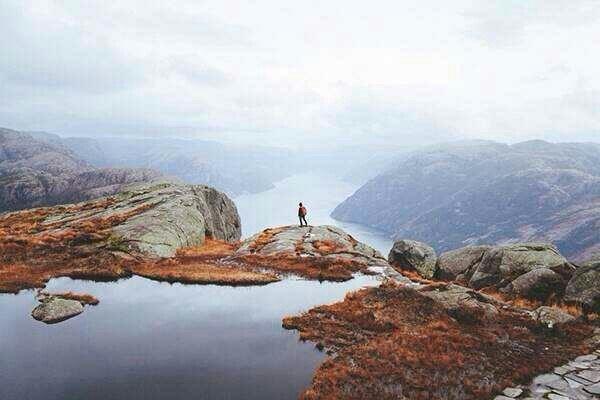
{"x": 303, "y": 74}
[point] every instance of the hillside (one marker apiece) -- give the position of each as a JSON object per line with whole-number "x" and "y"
{"x": 232, "y": 169}
{"x": 484, "y": 192}
{"x": 36, "y": 172}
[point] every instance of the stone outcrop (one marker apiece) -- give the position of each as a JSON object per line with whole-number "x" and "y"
{"x": 550, "y": 316}
{"x": 413, "y": 255}
{"x": 535, "y": 270}
{"x": 177, "y": 216}
{"x": 531, "y": 270}
{"x": 36, "y": 172}
{"x": 584, "y": 287}
{"x": 453, "y": 265}
{"x": 104, "y": 238}
{"x": 55, "y": 309}
{"x": 316, "y": 252}
{"x": 478, "y": 192}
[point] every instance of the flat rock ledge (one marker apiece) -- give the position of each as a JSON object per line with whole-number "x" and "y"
{"x": 313, "y": 252}
{"x": 579, "y": 379}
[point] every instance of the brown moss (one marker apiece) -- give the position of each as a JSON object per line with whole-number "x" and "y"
{"x": 203, "y": 274}
{"x": 83, "y": 298}
{"x": 394, "y": 342}
{"x": 264, "y": 238}
{"x": 335, "y": 269}
{"x": 325, "y": 247}
{"x": 203, "y": 265}
{"x": 532, "y": 304}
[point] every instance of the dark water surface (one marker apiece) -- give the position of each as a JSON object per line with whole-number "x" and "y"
{"x": 152, "y": 340}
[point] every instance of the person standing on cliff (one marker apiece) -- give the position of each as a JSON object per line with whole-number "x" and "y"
{"x": 302, "y": 214}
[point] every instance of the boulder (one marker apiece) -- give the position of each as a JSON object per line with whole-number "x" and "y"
{"x": 584, "y": 287}
{"x": 539, "y": 284}
{"x": 413, "y": 255}
{"x": 462, "y": 303}
{"x": 501, "y": 265}
{"x": 56, "y": 309}
{"x": 551, "y": 316}
{"x": 454, "y": 264}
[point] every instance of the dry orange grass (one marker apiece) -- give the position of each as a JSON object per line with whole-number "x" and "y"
{"x": 317, "y": 268}
{"x": 325, "y": 247}
{"x": 203, "y": 274}
{"x": 210, "y": 248}
{"x": 83, "y": 298}
{"x": 530, "y": 304}
{"x": 203, "y": 265}
{"x": 265, "y": 237}
{"x": 393, "y": 342}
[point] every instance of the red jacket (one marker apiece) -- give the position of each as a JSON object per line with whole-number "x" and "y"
{"x": 302, "y": 211}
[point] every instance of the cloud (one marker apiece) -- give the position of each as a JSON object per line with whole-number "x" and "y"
{"x": 504, "y": 23}
{"x": 304, "y": 72}
{"x": 46, "y": 53}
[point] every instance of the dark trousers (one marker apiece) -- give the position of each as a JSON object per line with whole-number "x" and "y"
{"x": 302, "y": 218}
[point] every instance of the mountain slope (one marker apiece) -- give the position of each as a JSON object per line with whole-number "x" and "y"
{"x": 233, "y": 169}
{"x": 485, "y": 192}
{"x": 40, "y": 172}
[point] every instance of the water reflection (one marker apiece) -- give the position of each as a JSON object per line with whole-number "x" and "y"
{"x": 151, "y": 340}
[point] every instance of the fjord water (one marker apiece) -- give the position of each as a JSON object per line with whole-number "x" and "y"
{"x": 320, "y": 193}
{"x": 153, "y": 340}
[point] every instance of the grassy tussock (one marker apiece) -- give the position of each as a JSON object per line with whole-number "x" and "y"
{"x": 203, "y": 274}
{"x": 83, "y": 298}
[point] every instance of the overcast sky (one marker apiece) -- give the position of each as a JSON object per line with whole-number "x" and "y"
{"x": 296, "y": 72}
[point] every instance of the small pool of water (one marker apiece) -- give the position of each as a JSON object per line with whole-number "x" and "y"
{"x": 152, "y": 340}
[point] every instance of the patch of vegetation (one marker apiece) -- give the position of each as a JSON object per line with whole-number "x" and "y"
{"x": 116, "y": 243}
{"x": 393, "y": 342}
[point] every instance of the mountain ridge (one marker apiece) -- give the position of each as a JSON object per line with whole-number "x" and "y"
{"x": 454, "y": 195}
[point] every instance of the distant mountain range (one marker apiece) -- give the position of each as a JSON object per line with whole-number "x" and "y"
{"x": 232, "y": 169}
{"x": 36, "y": 172}
{"x": 478, "y": 192}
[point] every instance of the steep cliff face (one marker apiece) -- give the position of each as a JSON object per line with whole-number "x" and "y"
{"x": 487, "y": 193}
{"x": 37, "y": 172}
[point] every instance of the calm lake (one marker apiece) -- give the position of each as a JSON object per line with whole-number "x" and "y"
{"x": 152, "y": 340}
